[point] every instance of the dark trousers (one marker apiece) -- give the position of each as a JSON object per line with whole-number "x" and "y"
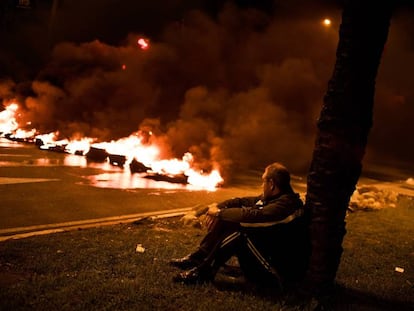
{"x": 226, "y": 239}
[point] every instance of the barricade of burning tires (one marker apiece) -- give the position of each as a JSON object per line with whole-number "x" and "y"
{"x": 95, "y": 154}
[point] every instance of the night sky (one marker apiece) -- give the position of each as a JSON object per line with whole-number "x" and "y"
{"x": 233, "y": 82}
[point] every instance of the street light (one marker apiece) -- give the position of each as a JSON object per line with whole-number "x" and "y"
{"x": 53, "y": 12}
{"x": 327, "y": 22}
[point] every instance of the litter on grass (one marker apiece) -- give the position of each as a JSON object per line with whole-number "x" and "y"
{"x": 139, "y": 248}
{"x": 399, "y": 269}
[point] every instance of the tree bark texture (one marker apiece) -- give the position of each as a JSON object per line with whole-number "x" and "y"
{"x": 343, "y": 127}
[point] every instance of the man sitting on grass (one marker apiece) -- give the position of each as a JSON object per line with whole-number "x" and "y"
{"x": 267, "y": 233}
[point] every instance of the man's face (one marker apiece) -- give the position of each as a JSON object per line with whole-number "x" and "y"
{"x": 267, "y": 185}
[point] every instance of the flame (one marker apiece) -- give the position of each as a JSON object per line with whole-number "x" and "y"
{"x": 143, "y": 43}
{"x": 134, "y": 147}
{"x": 8, "y": 123}
{"x": 208, "y": 182}
{"x": 79, "y": 146}
{"x": 19, "y": 133}
{"x": 48, "y": 138}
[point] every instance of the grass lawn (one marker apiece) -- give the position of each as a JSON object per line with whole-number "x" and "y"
{"x": 101, "y": 269}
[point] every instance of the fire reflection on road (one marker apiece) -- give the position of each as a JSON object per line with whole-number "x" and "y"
{"x": 119, "y": 178}
{"x": 124, "y": 180}
{"x": 109, "y": 176}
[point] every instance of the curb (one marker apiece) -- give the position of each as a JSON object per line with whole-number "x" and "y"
{"x": 24, "y": 232}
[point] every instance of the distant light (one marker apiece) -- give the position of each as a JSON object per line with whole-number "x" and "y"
{"x": 327, "y": 22}
{"x": 123, "y": 66}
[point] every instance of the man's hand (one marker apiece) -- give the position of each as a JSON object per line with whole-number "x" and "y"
{"x": 211, "y": 215}
{"x": 213, "y": 210}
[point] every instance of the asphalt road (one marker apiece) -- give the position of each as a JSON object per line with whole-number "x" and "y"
{"x": 45, "y": 190}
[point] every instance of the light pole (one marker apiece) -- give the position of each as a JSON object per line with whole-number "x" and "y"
{"x": 53, "y": 12}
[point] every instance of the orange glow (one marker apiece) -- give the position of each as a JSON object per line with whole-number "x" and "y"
{"x": 19, "y": 133}
{"x": 137, "y": 147}
{"x": 8, "y": 123}
{"x": 83, "y": 145}
{"x": 48, "y": 138}
{"x": 123, "y": 66}
{"x": 208, "y": 182}
{"x": 143, "y": 43}
{"x": 72, "y": 160}
{"x": 327, "y": 22}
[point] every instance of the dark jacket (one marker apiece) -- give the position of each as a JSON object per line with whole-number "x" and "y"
{"x": 278, "y": 229}
{"x": 255, "y": 210}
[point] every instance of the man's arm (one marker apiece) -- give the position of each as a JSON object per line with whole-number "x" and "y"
{"x": 238, "y": 202}
{"x": 214, "y": 209}
{"x": 274, "y": 211}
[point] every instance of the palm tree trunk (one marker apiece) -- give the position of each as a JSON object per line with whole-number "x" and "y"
{"x": 343, "y": 128}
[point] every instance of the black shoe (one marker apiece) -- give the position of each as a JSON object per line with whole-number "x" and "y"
{"x": 194, "y": 276}
{"x": 187, "y": 262}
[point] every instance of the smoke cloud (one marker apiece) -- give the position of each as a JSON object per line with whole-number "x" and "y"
{"x": 241, "y": 89}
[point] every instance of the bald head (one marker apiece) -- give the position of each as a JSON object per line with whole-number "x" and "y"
{"x": 279, "y": 175}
